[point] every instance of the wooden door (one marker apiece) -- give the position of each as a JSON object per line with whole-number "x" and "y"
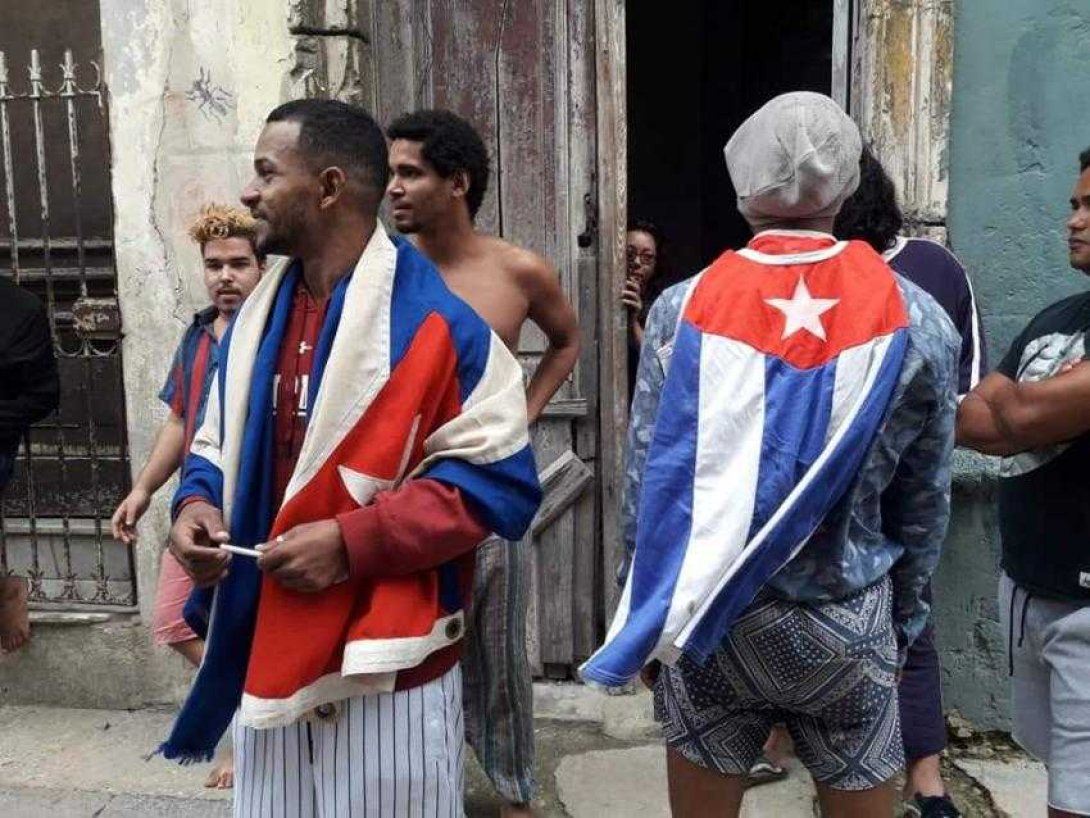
{"x": 524, "y": 73}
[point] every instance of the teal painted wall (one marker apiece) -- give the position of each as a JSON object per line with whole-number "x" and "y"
{"x": 1021, "y": 115}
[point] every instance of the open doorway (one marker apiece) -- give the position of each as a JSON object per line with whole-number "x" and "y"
{"x": 695, "y": 72}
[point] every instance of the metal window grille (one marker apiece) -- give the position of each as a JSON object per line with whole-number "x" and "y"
{"x": 55, "y": 240}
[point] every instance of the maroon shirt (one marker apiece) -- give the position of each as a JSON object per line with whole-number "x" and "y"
{"x": 291, "y": 384}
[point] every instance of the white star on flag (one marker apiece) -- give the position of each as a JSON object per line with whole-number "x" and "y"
{"x": 802, "y": 311}
{"x": 363, "y": 487}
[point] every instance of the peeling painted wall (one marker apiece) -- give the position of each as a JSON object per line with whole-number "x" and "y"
{"x": 189, "y": 86}
{"x": 190, "y": 83}
{"x": 1021, "y": 93}
{"x": 1019, "y": 123}
{"x": 901, "y": 98}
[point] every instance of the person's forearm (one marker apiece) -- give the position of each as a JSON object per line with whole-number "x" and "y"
{"x": 635, "y": 330}
{"x": 555, "y": 365}
{"x": 166, "y": 455}
{"x": 910, "y": 608}
{"x": 1027, "y": 421}
{"x": 422, "y": 524}
{"x": 977, "y": 428}
{"x": 918, "y": 523}
{"x": 1005, "y": 417}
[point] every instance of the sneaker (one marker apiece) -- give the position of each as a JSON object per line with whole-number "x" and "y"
{"x": 932, "y": 806}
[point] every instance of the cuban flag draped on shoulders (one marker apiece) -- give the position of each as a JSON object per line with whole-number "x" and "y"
{"x": 784, "y": 362}
{"x": 407, "y": 382}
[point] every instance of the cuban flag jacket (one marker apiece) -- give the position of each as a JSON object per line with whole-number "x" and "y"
{"x": 407, "y": 382}
{"x": 784, "y": 361}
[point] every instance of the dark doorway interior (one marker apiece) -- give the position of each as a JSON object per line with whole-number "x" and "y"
{"x": 695, "y": 72}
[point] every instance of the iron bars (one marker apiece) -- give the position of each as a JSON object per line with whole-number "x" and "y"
{"x": 56, "y": 240}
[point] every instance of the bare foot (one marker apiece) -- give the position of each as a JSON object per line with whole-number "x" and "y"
{"x": 14, "y": 616}
{"x": 779, "y": 747}
{"x": 517, "y": 811}
{"x": 222, "y": 776}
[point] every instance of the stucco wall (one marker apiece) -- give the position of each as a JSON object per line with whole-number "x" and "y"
{"x": 1021, "y": 93}
{"x": 190, "y": 84}
{"x": 189, "y": 87}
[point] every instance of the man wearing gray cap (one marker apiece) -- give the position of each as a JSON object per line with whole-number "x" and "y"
{"x": 787, "y": 486}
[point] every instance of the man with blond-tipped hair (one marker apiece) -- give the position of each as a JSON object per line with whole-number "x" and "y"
{"x": 232, "y": 267}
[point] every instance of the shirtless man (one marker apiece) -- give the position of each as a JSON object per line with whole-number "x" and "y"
{"x": 438, "y": 178}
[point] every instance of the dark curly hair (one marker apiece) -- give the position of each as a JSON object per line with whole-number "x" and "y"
{"x": 663, "y": 276}
{"x": 450, "y": 145}
{"x": 1084, "y": 160}
{"x": 871, "y": 213}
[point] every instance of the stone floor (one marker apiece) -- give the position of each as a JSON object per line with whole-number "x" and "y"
{"x": 57, "y": 763}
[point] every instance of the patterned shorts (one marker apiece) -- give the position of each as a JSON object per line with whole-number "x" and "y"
{"x": 827, "y": 671}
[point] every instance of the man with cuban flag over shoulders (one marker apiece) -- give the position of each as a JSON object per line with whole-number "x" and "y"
{"x": 365, "y": 431}
{"x": 787, "y": 485}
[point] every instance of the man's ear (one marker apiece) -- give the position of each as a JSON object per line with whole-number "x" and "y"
{"x": 333, "y": 180}
{"x": 459, "y": 183}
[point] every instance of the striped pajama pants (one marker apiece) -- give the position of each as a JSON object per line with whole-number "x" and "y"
{"x": 389, "y": 755}
{"x": 499, "y": 703}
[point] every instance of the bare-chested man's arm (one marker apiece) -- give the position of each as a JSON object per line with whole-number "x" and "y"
{"x": 550, "y": 310}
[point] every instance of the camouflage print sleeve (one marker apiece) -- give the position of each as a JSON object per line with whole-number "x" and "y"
{"x": 916, "y": 504}
{"x": 654, "y": 359}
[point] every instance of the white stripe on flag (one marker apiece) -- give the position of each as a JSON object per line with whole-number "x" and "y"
{"x": 852, "y": 368}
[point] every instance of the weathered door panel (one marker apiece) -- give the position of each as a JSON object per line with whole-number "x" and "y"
{"x": 523, "y": 73}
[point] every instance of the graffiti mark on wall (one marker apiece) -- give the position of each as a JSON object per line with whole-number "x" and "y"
{"x": 212, "y": 100}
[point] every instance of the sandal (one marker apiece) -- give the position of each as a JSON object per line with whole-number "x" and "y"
{"x": 764, "y": 772}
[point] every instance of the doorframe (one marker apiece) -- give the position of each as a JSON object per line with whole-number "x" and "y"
{"x": 612, "y": 192}
{"x": 843, "y": 36}
{"x": 902, "y": 73}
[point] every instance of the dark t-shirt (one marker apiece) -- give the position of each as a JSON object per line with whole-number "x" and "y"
{"x": 937, "y": 271}
{"x": 1044, "y": 494}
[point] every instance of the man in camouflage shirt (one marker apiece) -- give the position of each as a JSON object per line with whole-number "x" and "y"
{"x": 820, "y": 647}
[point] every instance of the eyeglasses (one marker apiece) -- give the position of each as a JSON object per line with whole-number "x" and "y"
{"x": 645, "y": 256}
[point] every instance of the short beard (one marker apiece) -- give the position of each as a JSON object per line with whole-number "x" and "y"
{"x": 409, "y": 229}
{"x": 273, "y": 245}
{"x": 283, "y": 238}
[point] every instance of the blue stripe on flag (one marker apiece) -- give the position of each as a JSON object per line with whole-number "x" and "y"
{"x": 797, "y": 408}
{"x": 419, "y": 290}
{"x": 811, "y": 506}
{"x": 665, "y": 519}
{"x": 506, "y": 492}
